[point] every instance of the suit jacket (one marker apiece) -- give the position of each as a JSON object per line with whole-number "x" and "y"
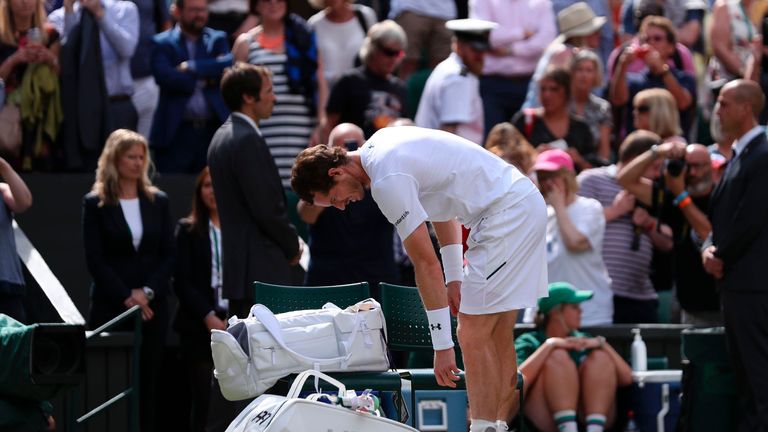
{"x": 738, "y": 212}
{"x": 116, "y": 266}
{"x": 258, "y": 240}
{"x": 176, "y": 88}
{"x": 192, "y": 280}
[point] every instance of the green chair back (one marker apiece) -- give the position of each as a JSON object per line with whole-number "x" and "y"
{"x": 407, "y": 325}
{"x": 286, "y": 298}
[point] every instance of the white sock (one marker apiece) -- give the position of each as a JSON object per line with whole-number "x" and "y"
{"x": 479, "y": 425}
{"x": 501, "y": 426}
{"x": 595, "y": 423}
{"x": 566, "y": 421}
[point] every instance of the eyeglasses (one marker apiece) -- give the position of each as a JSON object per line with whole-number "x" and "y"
{"x": 273, "y": 1}
{"x": 389, "y": 52}
{"x": 642, "y": 109}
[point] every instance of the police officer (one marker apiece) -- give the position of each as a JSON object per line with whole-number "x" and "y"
{"x": 451, "y": 98}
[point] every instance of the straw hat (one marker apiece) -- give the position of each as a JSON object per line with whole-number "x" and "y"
{"x": 578, "y": 19}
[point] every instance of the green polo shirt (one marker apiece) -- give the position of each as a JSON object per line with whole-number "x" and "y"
{"x": 527, "y": 343}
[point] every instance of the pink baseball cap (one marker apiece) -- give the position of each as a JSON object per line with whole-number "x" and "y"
{"x": 553, "y": 160}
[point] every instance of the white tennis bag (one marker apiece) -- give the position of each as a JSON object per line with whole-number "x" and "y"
{"x": 255, "y": 352}
{"x": 270, "y": 413}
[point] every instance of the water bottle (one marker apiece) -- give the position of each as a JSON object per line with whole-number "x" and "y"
{"x": 631, "y": 424}
{"x": 639, "y": 352}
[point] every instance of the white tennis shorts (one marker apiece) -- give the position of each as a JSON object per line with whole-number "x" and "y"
{"x": 506, "y": 260}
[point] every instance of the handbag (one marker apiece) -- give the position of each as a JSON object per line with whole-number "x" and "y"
{"x": 255, "y": 352}
{"x": 10, "y": 129}
{"x": 271, "y": 413}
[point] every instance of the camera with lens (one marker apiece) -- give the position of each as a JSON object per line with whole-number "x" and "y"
{"x": 675, "y": 167}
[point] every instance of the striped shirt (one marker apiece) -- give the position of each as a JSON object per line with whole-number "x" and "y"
{"x": 288, "y": 130}
{"x": 629, "y": 269}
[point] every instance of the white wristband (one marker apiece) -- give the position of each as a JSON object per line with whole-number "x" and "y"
{"x": 453, "y": 262}
{"x": 440, "y": 328}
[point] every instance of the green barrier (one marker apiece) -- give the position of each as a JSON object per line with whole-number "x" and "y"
{"x": 709, "y": 402}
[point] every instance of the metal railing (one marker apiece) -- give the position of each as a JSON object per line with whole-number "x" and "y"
{"x": 131, "y": 394}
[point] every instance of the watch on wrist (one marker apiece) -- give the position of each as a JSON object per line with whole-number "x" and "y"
{"x": 655, "y": 151}
{"x": 149, "y": 292}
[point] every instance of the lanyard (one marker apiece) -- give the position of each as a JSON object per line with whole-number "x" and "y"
{"x": 216, "y": 255}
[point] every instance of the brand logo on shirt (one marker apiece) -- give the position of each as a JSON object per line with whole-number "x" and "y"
{"x": 434, "y": 327}
{"x": 402, "y": 218}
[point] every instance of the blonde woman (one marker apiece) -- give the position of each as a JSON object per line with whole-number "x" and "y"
{"x": 655, "y": 110}
{"x": 29, "y": 44}
{"x": 128, "y": 239}
{"x": 506, "y": 142}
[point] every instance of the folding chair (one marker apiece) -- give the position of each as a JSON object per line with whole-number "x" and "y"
{"x": 408, "y": 330}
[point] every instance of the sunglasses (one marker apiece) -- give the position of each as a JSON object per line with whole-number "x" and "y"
{"x": 643, "y": 109}
{"x": 389, "y": 52}
{"x": 273, "y": 1}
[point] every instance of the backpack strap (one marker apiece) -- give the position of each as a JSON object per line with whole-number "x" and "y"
{"x": 361, "y": 20}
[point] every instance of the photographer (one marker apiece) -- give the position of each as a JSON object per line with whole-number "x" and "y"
{"x": 678, "y": 202}
{"x": 656, "y": 48}
{"x": 631, "y": 233}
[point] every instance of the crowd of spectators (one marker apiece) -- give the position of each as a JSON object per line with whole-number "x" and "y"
{"x": 596, "y": 101}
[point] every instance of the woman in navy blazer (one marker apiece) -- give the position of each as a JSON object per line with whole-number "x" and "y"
{"x": 197, "y": 283}
{"x": 128, "y": 242}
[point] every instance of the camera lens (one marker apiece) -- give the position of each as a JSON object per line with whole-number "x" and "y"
{"x": 675, "y": 167}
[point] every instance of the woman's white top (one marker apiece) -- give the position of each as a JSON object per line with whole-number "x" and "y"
{"x": 132, "y": 214}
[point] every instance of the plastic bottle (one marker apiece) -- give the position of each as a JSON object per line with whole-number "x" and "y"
{"x": 639, "y": 352}
{"x": 631, "y": 424}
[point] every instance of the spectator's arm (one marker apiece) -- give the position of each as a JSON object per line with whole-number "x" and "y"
{"x": 501, "y": 36}
{"x": 322, "y": 93}
{"x": 166, "y": 74}
{"x": 604, "y": 143}
{"x": 631, "y": 177}
{"x": 240, "y": 48}
{"x": 546, "y": 32}
{"x": 618, "y": 89}
{"x": 220, "y": 59}
{"x": 120, "y": 25}
{"x": 682, "y": 96}
{"x": 720, "y": 39}
{"x": 15, "y": 192}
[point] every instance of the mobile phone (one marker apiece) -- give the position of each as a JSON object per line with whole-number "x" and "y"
{"x": 350, "y": 144}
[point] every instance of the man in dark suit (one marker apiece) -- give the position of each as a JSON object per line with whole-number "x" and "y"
{"x": 738, "y": 248}
{"x": 259, "y": 242}
{"x": 187, "y": 63}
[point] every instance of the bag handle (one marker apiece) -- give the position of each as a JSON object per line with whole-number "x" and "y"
{"x": 298, "y": 383}
{"x": 272, "y": 325}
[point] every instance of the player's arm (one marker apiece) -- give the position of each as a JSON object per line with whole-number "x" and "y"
{"x": 429, "y": 279}
{"x": 452, "y": 253}
{"x": 429, "y": 274}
